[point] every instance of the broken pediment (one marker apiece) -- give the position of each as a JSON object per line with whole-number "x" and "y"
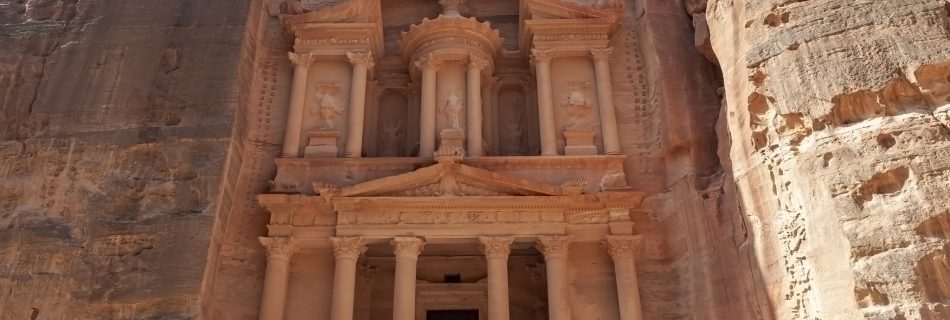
{"x": 449, "y": 179}
{"x": 562, "y": 9}
{"x": 566, "y": 24}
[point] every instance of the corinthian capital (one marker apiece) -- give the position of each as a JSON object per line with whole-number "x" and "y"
{"x": 601, "y": 54}
{"x": 278, "y": 247}
{"x": 621, "y": 246}
{"x": 496, "y": 247}
{"x": 360, "y": 58}
{"x": 301, "y": 59}
{"x": 347, "y": 248}
{"x": 428, "y": 61}
{"x": 476, "y": 62}
{"x": 542, "y": 55}
{"x": 554, "y": 246}
{"x": 407, "y": 246}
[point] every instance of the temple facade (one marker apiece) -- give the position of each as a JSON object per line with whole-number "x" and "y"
{"x": 456, "y": 170}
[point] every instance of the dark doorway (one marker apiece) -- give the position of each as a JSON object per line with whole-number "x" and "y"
{"x": 452, "y": 315}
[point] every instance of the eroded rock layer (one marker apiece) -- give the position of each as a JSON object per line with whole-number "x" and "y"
{"x": 836, "y": 129}
{"x": 116, "y": 120}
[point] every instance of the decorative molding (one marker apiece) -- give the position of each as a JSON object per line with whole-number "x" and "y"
{"x": 278, "y": 247}
{"x": 496, "y": 247}
{"x": 621, "y": 247}
{"x": 348, "y": 247}
{"x": 554, "y": 247}
{"x": 407, "y": 246}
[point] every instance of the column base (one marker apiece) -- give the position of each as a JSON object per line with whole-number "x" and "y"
{"x": 322, "y": 144}
{"x": 579, "y": 142}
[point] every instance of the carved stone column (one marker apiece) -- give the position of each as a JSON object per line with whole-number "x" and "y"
{"x": 622, "y": 250}
{"x": 298, "y": 90}
{"x": 555, "y": 249}
{"x": 605, "y": 97}
{"x": 496, "y": 250}
{"x": 542, "y": 67}
{"x": 407, "y": 250}
{"x": 474, "y": 83}
{"x": 273, "y": 299}
{"x": 346, "y": 252}
{"x": 429, "y": 66}
{"x": 361, "y": 62}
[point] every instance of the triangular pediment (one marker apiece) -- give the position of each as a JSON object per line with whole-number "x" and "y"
{"x": 449, "y": 179}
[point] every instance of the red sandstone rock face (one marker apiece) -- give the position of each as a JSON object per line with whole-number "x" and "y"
{"x": 838, "y": 140}
{"x": 115, "y": 124}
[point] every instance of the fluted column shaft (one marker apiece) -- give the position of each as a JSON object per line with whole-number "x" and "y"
{"x": 346, "y": 252}
{"x": 298, "y": 90}
{"x": 622, "y": 250}
{"x": 497, "y": 250}
{"x": 605, "y": 98}
{"x": 429, "y": 66}
{"x": 542, "y": 67}
{"x": 361, "y": 62}
{"x": 273, "y": 298}
{"x": 474, "y": 115}
{"x": 555, "y": 250}
{"x": 407, "y": 250}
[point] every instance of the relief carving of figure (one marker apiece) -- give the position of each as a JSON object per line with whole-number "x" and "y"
{"x": 577, "y": 105}
{"x": 392, "y": 138}
{"x": 514, "y": 134}
{"x": 453, "y": 111}
{"x": 326, "y": 108}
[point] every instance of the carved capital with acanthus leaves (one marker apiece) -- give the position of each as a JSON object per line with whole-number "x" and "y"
{"x": 601, "y": 54}
{"x": 301, "y": 59}
{"x": 278, "y": 247}
{"x": 407, "y": 246}
{"x": 475, "y": 62}
{"x": 428, "y": 61}
{"x": 542, "y": 55}
{"x": 621, "y": 247}
{"x": 360, "y": 58}
{"x": 496, "y": 247}
{"x": 554, "y": 247}
{"x": 347, "y": 247}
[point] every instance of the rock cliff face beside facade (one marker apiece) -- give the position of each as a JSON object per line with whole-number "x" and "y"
{"x": 135, "y": 136}
{"x": 835, "y": 126}
{"x": 116, "y": 121}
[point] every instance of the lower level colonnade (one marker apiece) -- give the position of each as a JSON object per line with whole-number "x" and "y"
{"x": 407, "y": 249}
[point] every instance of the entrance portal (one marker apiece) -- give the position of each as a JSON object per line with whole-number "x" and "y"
{"x": 452, "y": 315}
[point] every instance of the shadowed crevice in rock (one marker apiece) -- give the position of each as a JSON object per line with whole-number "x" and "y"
{"x": 884, "y": 183}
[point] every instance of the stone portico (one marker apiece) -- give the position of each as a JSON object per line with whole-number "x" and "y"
{"x": 450, "y": 175}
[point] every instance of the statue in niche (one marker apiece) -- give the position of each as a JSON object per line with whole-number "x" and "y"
{"x": 391, "y": 139}
{"x": 453, "y": 111}
{"x": 326, "y": 108}
{"x": 576, "y": 103}
{"x": 514, "y": 134}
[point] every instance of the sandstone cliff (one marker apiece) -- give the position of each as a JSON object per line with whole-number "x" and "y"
{"x": 115, "y": 125}
{"x": 835, "y": 129}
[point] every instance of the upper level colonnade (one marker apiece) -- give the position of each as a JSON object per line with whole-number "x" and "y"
{"x": 450, "y": 79}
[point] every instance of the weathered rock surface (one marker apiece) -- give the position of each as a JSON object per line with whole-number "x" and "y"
{"x": 115, "y": 126}
{"x": 835, "y": 129}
